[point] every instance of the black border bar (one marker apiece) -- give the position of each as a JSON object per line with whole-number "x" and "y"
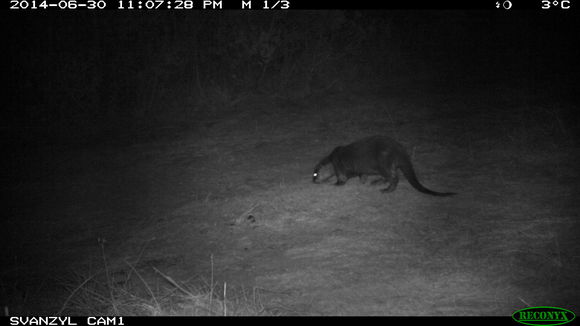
{"x": 277, "y": 5}
{"x": 257, "y": 321}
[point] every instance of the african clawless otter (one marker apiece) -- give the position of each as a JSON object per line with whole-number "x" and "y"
{"x": 374, "y": 155}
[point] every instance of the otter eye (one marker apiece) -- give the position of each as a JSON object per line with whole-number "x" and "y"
{"x": 315, "y": 174}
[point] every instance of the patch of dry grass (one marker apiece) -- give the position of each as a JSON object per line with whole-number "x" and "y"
{"x": 129, "y": 292}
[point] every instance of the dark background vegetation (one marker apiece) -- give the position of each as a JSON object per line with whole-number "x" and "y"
{"x": 93, "y": 78}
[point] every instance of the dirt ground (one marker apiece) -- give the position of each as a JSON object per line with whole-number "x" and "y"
{"x": 233, "y": 200}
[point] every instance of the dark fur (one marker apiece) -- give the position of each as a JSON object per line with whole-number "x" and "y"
{"x": 375, "y": 155}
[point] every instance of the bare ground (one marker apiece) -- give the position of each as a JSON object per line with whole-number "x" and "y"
{"x": 234, "y": 200}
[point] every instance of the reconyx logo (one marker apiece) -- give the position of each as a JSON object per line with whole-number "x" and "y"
{"x": 543, "y": 316}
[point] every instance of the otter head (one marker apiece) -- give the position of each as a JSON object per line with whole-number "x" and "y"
{"x": 322, "y": 173}
{"x": 324, "y": 170}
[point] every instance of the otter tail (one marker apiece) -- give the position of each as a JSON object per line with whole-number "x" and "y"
{"x": 407, "y": 167}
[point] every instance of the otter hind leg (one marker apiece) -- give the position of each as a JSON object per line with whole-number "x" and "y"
{"x": 388, "y": 171}
{"x": 392, "y": 184}
{"x": 378, "y": 181}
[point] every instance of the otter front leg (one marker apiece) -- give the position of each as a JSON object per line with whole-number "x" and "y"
{"x": 340, "y": 179}
{"x": 340, "y": 175}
